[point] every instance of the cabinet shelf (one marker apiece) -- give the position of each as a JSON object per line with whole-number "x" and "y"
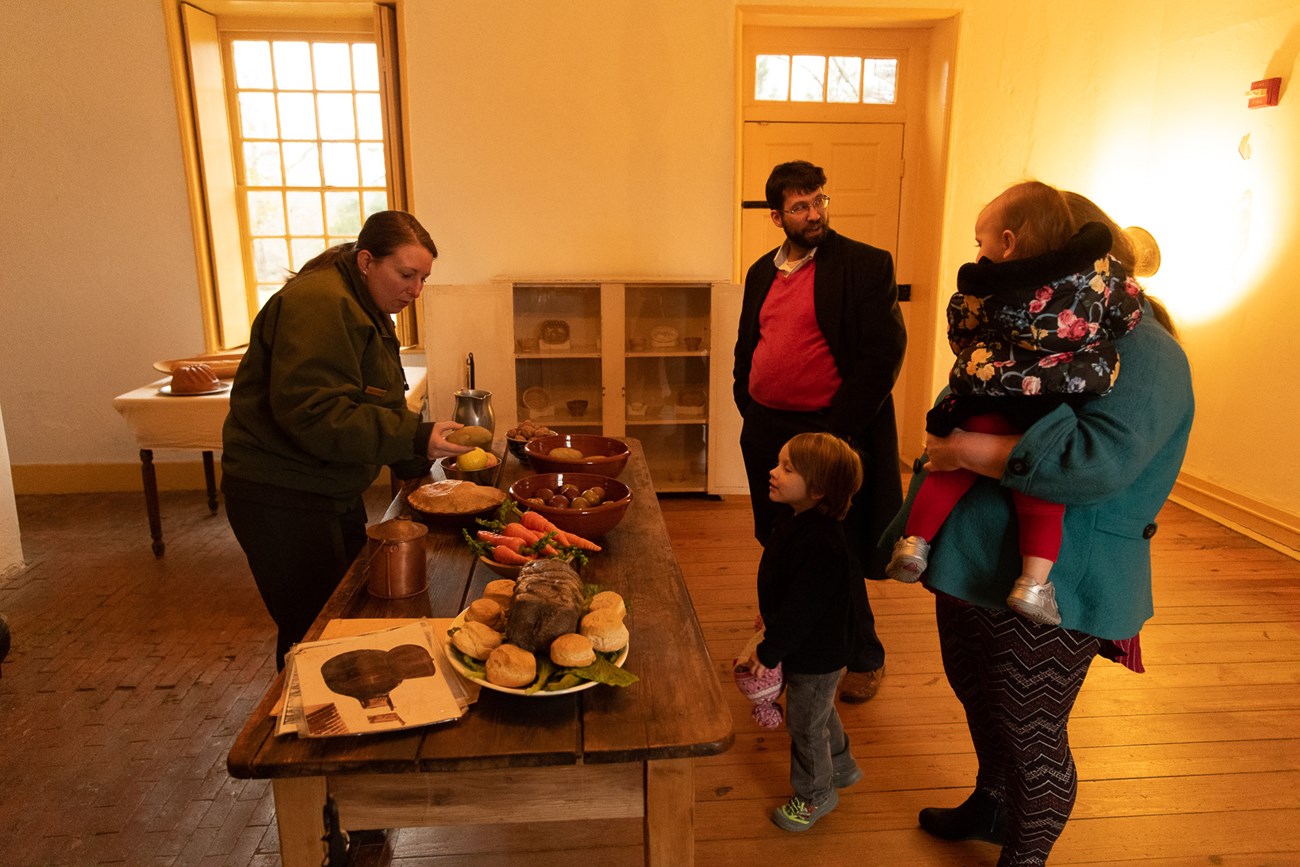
{"x": 643, "y": 420}
{"x": 668, "y": 353}
{"x": 554, "y": 356}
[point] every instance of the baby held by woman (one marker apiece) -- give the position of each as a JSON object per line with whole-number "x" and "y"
{"x": 1033, "y": 324}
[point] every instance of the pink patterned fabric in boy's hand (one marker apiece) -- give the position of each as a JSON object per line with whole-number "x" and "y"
{"x": 762, "y": 691}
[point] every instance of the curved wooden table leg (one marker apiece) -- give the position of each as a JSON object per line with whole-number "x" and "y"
{"x": 210, "y": 476}
{"x": 151, "y": 500}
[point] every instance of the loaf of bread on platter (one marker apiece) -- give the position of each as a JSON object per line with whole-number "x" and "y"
{"x": 193, "y": 379}
{"x": 547, "y": 603}
{"x": 455, "y": 497}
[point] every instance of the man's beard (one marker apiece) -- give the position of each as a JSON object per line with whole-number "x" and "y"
{"x": 801, "y": 237}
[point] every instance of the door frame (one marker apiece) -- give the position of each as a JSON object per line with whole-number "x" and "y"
{"x": 926, "y": 42}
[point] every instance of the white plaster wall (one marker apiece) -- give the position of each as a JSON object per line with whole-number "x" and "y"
{"x": 97, "y": 274}
{"x": 584, "y": 138}
{"x": 1230, "y": 230}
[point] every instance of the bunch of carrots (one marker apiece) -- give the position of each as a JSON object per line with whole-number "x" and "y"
{"x": 531, "y": 537}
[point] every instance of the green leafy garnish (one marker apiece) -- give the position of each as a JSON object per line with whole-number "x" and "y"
{"x": 545, "y": 668}
{"x": 606, "y": 672}
{"x": 568, "y": 680}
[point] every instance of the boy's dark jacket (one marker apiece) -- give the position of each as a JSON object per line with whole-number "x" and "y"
{"x": 808, "y": 586}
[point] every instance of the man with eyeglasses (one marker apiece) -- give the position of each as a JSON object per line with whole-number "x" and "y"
{"x": 820, "y": 344}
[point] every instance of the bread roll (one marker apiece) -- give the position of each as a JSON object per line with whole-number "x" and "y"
{"x": 605, "y": 629}
{"x": 572, "y": 650}
{"x": 487, "y": 611}
{"x": 608, "y": 599}
{"x": 500, "y": 591}
{"x": 511, "y": 666}
{"x": 476, "y": 639}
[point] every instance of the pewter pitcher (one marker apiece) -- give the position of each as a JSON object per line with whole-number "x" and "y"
{"x": 474, "y": 406}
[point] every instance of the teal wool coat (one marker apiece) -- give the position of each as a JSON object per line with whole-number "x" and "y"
{"x": 1112, "y": 462}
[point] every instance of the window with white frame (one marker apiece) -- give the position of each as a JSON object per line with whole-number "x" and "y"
{"x": 819, "y": 78}
{"x": 309, "y": 140}
{"x": 294, "y": 129}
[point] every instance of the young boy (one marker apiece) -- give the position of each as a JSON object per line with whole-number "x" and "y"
{"x": 809, "y": 585}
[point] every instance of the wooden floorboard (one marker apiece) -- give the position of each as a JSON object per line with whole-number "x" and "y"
{"x": 130, "y": 675}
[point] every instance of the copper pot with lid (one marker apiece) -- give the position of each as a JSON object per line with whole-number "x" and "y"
{"x": 398, "y": 567}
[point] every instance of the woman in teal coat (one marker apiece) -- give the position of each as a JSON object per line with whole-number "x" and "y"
{"x": 1112, "y": 462}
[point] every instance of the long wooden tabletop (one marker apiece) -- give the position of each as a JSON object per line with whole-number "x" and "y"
{"x": 675, "y": 710}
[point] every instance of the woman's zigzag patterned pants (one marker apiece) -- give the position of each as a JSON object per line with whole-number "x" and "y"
{"x": 1018, "y": 682}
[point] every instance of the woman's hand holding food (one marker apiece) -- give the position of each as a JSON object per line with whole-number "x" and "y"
{"x": 438, "y": 445}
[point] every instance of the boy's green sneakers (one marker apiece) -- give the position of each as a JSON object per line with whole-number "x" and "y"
{"x": 797, "y": 814}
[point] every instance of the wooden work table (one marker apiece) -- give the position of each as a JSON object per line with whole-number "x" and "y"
{"x": 601, "y": 753}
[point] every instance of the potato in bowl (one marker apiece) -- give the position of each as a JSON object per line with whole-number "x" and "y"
{"x": 578, "y": 453}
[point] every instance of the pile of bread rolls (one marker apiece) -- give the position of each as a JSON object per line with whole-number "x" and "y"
{"x": 482, "y": 636}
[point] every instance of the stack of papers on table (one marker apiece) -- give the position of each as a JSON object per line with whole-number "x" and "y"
{"x": 363, "y": 676}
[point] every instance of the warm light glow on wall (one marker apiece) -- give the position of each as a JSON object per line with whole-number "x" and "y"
{"x": 1212, "y": 202}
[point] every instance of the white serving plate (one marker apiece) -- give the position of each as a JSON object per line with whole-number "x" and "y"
{"x": 167, "y": 390}
{"x": 483, "y": 682}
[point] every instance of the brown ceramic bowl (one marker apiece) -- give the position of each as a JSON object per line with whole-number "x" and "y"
{"x": 516, "y": 447}
{"x": 505, "y": 570}
{"x": 589, "y": 523}
{"x": 604, "y": 456}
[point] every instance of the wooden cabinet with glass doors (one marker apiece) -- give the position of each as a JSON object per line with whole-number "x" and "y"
{"x": 629, "y": 358}
{"x": 620, "y": 359}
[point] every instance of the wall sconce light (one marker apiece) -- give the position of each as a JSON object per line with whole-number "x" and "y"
{"x": 1146, "y": 251}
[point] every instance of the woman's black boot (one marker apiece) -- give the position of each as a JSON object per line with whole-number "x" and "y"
{"x": 978, "y": 818}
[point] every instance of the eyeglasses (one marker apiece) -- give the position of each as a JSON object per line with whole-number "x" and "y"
{"x": 821, "y": 203}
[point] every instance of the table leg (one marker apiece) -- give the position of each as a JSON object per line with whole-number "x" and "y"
{"x": 210, "y": 476}
{"x": 150, "y": 479}
{"x": 299, "y": 815}
{"x": 669, "y": 813}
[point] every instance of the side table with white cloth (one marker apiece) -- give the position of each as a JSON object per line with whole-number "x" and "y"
{"x": 193, "y": 423}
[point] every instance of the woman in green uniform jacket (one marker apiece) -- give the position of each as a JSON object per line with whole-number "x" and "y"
{"x": 317, "y": 408}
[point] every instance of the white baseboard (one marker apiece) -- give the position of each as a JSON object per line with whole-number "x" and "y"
{"x": 1264, "y": 523}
